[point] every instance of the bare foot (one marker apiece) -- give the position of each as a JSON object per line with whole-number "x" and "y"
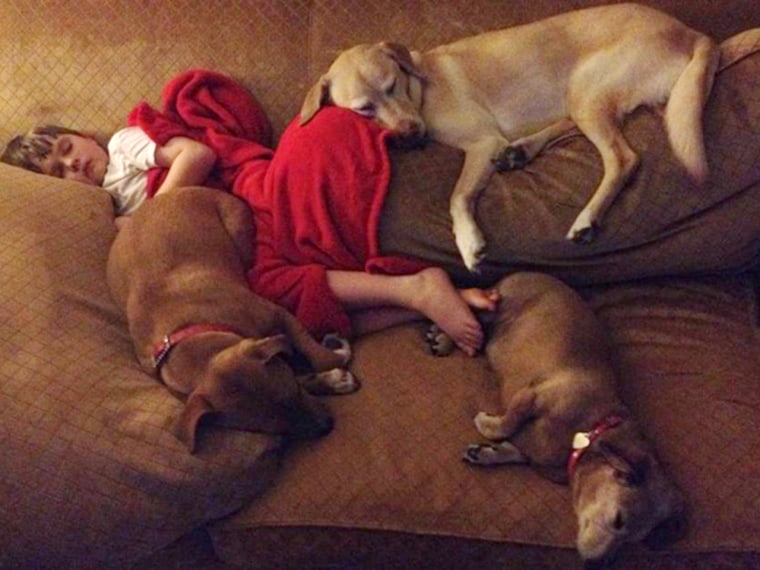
{"x": 449, "y": 308}
{"x": 482, "y": 299}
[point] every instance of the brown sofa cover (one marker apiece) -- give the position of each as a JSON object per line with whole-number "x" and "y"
{"x": 90, "y": 476}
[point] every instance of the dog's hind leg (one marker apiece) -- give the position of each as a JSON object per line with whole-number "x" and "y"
{"x": 683, "y": 113}
{"x": 519, "y": 410}
{"x": 596, "y": 120}
{"x": 498, "y": 429}
{"x": 321, "y": 358}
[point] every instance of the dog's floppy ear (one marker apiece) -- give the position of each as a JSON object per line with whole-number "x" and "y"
{"x": 401, "y": 55}
{"x": 265, "y": 349}
{"x": 671, "y": 529}
{"x": 631, "y": 467}
{"x": 186, "y": 426}
{"x": 317, "y": 97}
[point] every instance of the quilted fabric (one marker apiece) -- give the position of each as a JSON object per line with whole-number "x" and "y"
{"x": 413, "y": 417}
{"x": 90, "y": 473}
{"x": 674, "y": 339}
{"x": 89, "y": 476}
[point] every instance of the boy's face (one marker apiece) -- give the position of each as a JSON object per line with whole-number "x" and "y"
{"x": 75, "y": 157}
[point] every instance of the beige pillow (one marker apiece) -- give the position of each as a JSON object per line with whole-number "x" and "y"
{"x": 90, "y": 474}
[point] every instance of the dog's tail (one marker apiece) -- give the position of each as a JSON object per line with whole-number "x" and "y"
{"x": 683, "y": 113}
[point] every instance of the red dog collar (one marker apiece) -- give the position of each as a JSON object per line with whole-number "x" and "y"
{"x": 162, "y": 349}
{"x": 583, "y": 440}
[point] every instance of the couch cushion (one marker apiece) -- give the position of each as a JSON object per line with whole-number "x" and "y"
{"x": 90, "y": 475}
{"x": 387, "y": 489}
{"x": 659, "y": 225}
{"x": 391, "y": 470}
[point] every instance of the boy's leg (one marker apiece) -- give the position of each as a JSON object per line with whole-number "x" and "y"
{"x": 429, "y": 292}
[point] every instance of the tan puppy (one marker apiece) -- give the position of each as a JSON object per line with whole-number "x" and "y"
{"x": 552, "y": 358}
{"x": 502, "y": 96}
{"x": 177, "y": 269}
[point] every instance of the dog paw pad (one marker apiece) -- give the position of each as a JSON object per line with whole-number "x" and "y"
{"x": 342, "y": 381}
{"x": 338, "y": 345}
{"x": 511, "y": 158}
{"x": 480, "y": 454}
{"x": 438, "y": 342}
{"x": 492, "y": 454}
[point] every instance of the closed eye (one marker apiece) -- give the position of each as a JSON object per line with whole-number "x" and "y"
{"x": 391, "y": 88}
{"x": 619, "y": 523}
{"x": 63, "y": 146}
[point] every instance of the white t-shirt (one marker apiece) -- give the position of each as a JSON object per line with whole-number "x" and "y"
{"x": 131, "y": 153}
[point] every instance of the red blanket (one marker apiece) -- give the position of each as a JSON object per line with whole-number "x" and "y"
{"x": 320, "y": 209}
{"x": 216, "y": 110}
{"x": 317, "y": 201}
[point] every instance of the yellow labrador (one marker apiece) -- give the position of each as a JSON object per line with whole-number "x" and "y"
{"x": 563, "y": 417}
{"x": 503, "y": 95}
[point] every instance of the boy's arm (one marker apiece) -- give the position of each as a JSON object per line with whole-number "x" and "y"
{"x": 189, "y": 162}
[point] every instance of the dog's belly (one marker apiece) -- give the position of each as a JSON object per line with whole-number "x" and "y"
{"x": 466, "y": 102}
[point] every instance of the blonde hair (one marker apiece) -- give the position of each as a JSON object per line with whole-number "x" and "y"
{"x": 29, "y": 149}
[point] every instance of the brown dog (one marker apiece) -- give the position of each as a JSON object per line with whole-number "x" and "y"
{"x": 177, "y": 268}
{"x": 503, "y": 95}
{"x": 564, "y": 418}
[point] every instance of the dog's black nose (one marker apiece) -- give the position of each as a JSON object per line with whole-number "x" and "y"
{"x": 411, "y": 130}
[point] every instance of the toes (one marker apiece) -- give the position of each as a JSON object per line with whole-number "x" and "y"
{"x": 338, "y": 345}
{"x": 492, "y": 454}
{"x": 338, "y": 381}
{"x": 585, "y": 235}
{"x": 347, "y": 384}
{"x": 472, "y": 454}
{"x": 472, "y": 248}
{"x": 468, "y": 350}
{"x": 474, "y": 260}
{"x": 438, "y": 342}
{"x": 511, "y": 158}
{"x": 482, "y": 454}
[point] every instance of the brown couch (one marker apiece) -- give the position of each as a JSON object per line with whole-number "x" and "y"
{"x": 90, "y": 475}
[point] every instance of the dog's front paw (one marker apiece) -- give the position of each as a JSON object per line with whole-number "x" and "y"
{"x": 584, "y": 230}
{"x": 511, "y": 158}
{"x": 338, "y": 345}
{"x": 337, "y": 381}
{"x": 472, "y": 247}
{"x": 492, "y": 454}
{"x": 438, "y": 342}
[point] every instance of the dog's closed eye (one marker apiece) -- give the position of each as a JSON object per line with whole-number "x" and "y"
{"x": 619, "y": 523}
